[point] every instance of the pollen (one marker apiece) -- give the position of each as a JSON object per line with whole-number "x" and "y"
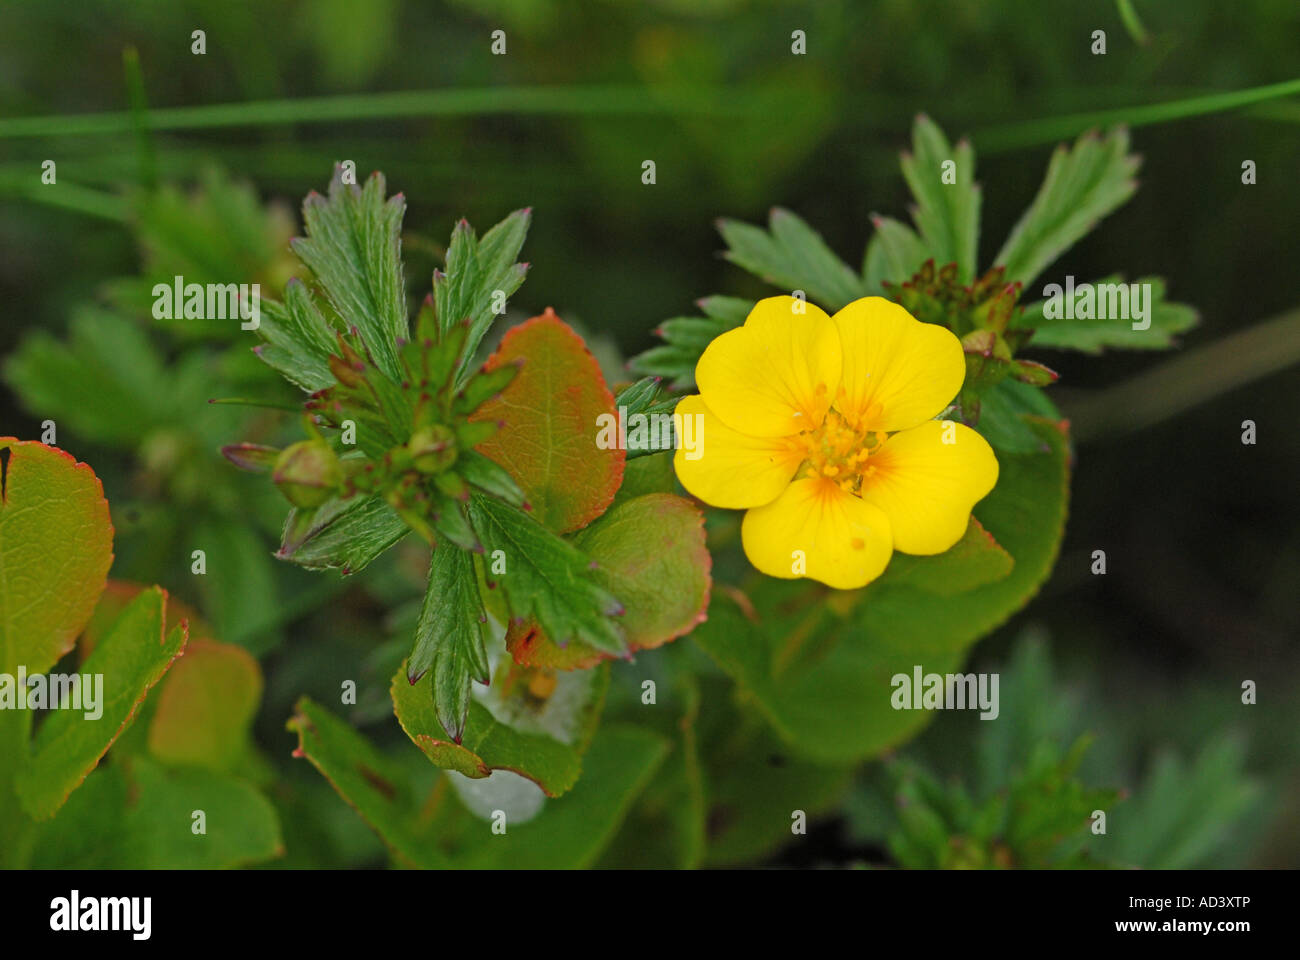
{"x": 838, "y": 452}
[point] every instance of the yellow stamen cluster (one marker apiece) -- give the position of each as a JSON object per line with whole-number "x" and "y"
{"x": 838, "y": 451}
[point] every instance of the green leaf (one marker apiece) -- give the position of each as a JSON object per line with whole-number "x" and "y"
{"x": 298, "y": 339}
{"x": 353, "y": 247}
{"x": 478, "y": 274}
{"x": 1003, "y": 412}
{"x": 976, "y": 559}
{"x": 205, "y": 707}
{"x": 1092, "y": 334}
{"x": 106, "y": 380}
{"x": 552, "y": 412}
{"x": 131, "y": 659}
{"x": 345, "y": 534}
{"x": 652, "y": 556}
{"x": 819, "y": 663}
{"x": 547, "y": 578}
{"x": 138, "y": 815}
{"x": 792, "y": 256}
{"x": 544, "y": 742}
{"x": 947, "y": 214}
{"x": 56, "y": 545}
{"x": 371, "y": 783}
{"x": 894, "y": 255}
{"x": 449, "y": 637}
{"x": 570, "y": 832}
{"x": 1083, "y": 185}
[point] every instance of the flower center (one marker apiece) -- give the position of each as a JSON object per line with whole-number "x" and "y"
{"x": 838, "y": 452}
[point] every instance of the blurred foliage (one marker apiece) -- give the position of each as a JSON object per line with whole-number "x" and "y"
{"x": 1204, "y": 549}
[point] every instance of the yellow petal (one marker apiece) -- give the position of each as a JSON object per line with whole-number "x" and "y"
{"x": 777, "y": 374}
{"x": 730, "y": 469}
{"x": 897, "y": 371}
{"x": 927, "y": 486}
{"x": 838, "y": 538}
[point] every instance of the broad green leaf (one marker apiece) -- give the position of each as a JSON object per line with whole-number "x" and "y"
{"x": 1003, "y": 416}
{"x": 976, "y": 559}
{"x": 138, "y": 815}
{"x": 131, "y": 659}
{"x": 947, "y": 214}
{"x": 449, "y": 637}
{"x": 547, "y": 578}
{"x": 649, "y": 474}
{"x": 552, "y": 412}
{"x": 345, "y": 534}
{"x": 371, "y": 783}
{"x": 573, "y": 831}
{"x": 792, "y": 256}
{"x": 56, "y": 545}
{"x": 1083, "y": 184}
{"x": 570, "y": 832}
{"x": 205, "y": 707}
{"x": 893, "y": 256}
{"x": 353, "y": 247}
{"x": 819, "y": 662}
{"x": 543, "y": 741}
{"x": 1164, "y": 319}
{"x": 651, "y": 555}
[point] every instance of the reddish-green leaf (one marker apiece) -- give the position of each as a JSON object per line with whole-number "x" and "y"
{"x": 652, "y": 556}
{"x": 550, "y": 411}
{"x": 206, "y": 707}
{"x": 56, "y": 545}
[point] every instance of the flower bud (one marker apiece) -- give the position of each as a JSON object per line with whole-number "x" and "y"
{"x": 432, "y": 448}
{"x": 308, "y": 473}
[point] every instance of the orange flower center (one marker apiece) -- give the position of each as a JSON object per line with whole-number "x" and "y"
{"x": 838, "y": 451}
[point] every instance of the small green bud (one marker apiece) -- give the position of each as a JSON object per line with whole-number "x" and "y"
{"x": 432, "y": 448}
{"x": 307, "y": 473}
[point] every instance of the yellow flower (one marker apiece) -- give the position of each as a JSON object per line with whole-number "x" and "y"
{"x": 822, "y": 428}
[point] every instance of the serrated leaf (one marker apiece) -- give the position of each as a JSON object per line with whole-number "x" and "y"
{"x": 552, "y": 414}
{"x": 353, "y": 247}
{"x": 652, "y": 556}
{"x": 205, "y": 707}
{"x": 345, "y": 534}
{"x": 547, "y": 578}
{"x": 792, "y": 256}
{"x": 823, "y": 677}
{"x": 131, "y": 659}
{"x": 1083, "y": 184}
{"x": 56, "y": 545}
{"x": 298, "y": 340}
{"x": 1092, "y": 335}
{"x": 947, "y": 214}
{"x": 527, "y": 748}
{"x": 449, "y": 637}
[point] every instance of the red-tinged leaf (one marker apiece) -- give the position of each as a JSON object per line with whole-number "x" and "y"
{"x": 56, "y": 545}
{"x": 206, "y": 706}
{"x": 115, "y": 598}
{"x": 652, "y": 556}
{"x": 550, "y": 412}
